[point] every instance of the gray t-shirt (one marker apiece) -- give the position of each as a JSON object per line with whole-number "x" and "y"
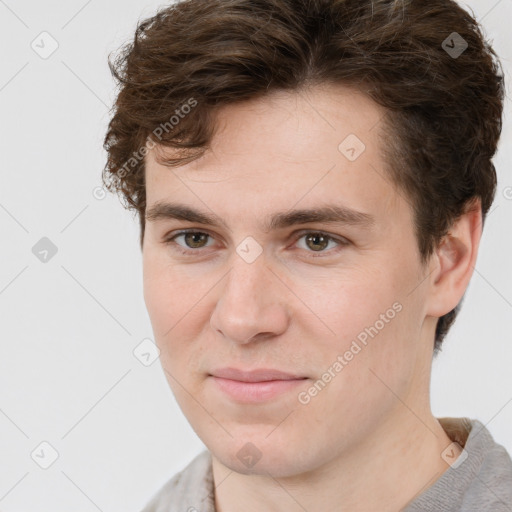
{"x": 482, "y": 482}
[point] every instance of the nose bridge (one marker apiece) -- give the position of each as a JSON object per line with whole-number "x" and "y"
{"x": 247, "y": 279}
{"x": 250, "y": 302}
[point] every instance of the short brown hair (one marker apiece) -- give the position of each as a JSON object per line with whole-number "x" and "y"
{"x": 443, "y": 101}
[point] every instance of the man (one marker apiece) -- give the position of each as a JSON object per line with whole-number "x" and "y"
{"x": 311, "y": 179}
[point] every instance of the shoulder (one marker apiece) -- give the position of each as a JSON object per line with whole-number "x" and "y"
{"x": 491, "y": 488}
{"x": 189, "y": 490}
{"x": 480, "y": 480}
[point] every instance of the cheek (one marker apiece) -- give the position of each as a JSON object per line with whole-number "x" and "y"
{"x": 370, "y": 323}
{"x": 157, "y": 298}
{"x": 175, "y": 305}
{"x": 164, "y": 296}
{"x": 344, "y": 308}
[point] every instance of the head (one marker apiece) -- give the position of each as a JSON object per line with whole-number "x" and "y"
{"x": 249, "y": 111}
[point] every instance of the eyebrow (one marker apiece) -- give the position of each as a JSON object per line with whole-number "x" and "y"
{"x": 329, "y": 213}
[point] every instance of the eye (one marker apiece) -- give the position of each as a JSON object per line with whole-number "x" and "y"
{"x": 193, "y": 240}
{"x": 315, "y": 242}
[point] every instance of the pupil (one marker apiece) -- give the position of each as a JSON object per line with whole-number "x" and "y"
{"x": 194, "y": 236}
{"x": 316, "y": 237}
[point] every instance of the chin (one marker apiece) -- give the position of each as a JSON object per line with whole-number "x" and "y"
{"x": 263, "y": 455}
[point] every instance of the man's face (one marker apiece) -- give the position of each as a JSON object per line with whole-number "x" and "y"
{"x": 297, "y": 296}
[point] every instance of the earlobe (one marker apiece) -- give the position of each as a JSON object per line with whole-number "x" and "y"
{"x": 455, "y": 259}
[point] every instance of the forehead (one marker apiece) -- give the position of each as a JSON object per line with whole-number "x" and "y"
{"x": 320, "y": 145}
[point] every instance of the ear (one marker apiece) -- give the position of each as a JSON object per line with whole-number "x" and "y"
{"x": 454, "y": 260}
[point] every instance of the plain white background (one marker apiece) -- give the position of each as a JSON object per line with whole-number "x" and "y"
{"x": 68, "y": 327}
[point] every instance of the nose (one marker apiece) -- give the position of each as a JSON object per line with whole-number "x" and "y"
{"x": 251, "y": 304}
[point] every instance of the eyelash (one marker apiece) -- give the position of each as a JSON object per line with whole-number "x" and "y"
{"x": 341, "y": 242}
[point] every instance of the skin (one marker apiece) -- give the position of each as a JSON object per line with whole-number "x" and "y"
{"x": 368, "y": 440}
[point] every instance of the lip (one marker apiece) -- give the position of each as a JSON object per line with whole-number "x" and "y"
{"x": 258, "y": 375}
{"x": 256, "y": 385}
